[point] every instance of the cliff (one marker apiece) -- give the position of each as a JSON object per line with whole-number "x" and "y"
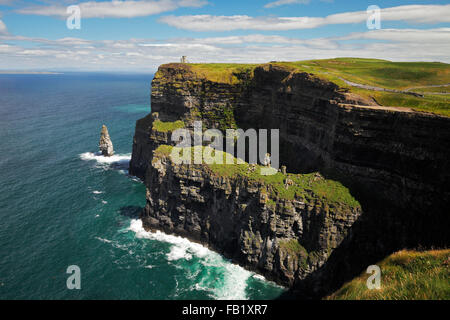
{"x": 393, "y": 160}
{"x": 283, "y": 232}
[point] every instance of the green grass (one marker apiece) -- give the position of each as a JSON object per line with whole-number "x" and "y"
{"x": 293, "y": 247}
{"x": 161, "y": 126}
{"x": 374, "y": 72}
{"x": 381, "y": 73}
{"x": 439, "y": 104}
{"x": 163, "y": 151}
{"x": 405, "y": 275}
{"x": 305, "y": 186}
{"x": 223, "y": 116}
{"x": 442, "y": 89}
{"x": 385, "y": 74}
{"x": 222, "y": 72}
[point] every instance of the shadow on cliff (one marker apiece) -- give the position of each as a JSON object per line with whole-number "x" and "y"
{"x": 381, "y": 230}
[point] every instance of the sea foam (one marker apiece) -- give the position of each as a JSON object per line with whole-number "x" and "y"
{"x": 118, "y": 160}
{"x": 103, "y": 240}
{"x": 182, "y": 248}
{"x": 233, "y": 278}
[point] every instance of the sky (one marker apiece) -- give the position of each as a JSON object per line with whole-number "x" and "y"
{"x": 140, "y": 35}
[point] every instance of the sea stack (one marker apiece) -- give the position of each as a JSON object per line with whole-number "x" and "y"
{"x": 106, "y": 146}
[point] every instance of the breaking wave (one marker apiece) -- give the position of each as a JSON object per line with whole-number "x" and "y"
{"x": 120, "y": 161}
{"x": 222, "y": 279}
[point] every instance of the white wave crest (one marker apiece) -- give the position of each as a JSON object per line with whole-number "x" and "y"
{"x": 120, "y": 160}
{"x": 103, "y": 240}
{"x": 233, "y": 280}
{"x": 259, "y": 277}
{"x": 182, "y": 248}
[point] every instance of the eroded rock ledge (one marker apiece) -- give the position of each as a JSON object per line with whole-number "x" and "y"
{"x": 282, "y": 232}
{"x": 394, "y": 161}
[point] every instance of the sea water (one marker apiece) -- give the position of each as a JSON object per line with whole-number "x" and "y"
{"x": 63, "y": 204}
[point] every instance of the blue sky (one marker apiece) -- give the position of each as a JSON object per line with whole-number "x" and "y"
{"x": 139, "y": 35}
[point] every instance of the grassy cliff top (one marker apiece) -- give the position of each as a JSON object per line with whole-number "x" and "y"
{"x": 222, "y": 72}
{"x": 381, "y": 73}
{"x": 161, "y": 126}
{"x": 405, "y": 275}
{"x": 302, "y": 186}
{"x": 421, "y": 77}
{"x": 373, "y": 72}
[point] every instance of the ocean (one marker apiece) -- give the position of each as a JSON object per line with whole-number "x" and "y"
{"x": 62, "y": 204}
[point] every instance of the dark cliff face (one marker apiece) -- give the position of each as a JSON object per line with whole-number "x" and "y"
{"x": 393, "y": 155}
{"x": 395, "y": 162}
{"x": 283, "y": 239}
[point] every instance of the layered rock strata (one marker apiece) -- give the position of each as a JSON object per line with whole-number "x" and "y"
{"x": 394, "y": 161}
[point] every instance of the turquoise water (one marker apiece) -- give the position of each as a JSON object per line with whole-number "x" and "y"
{"x": 61, "y": 204}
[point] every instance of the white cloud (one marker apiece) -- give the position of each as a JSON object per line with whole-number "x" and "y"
{"x": 229, "y": 23}
{"x": 114, "y": 9}
{"x": 439, "y": 35}
{"x": 181, "y": 47}
{"x": 148, "y": 54}
{"x": 4, "y": 48}
{"x": 409, "y": 13}
{"x": 252, "y": 38}
{"x": 284, "y": 2}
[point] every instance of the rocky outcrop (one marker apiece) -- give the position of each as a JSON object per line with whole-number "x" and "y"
{"x": 394, "y": 161}
{"x": 105, "y": 144}
{"x": 245, "y": 220}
